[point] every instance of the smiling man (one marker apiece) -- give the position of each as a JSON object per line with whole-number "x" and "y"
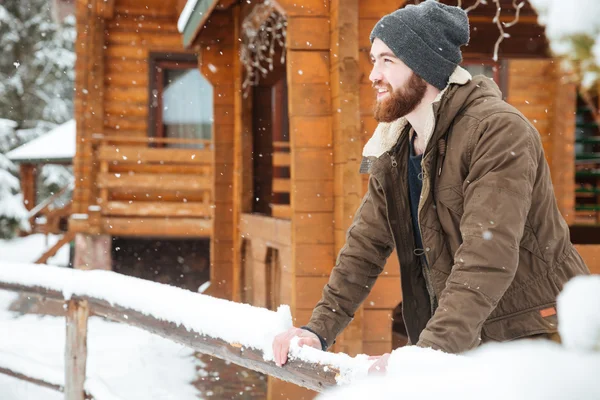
{"x": 460, "y": 187}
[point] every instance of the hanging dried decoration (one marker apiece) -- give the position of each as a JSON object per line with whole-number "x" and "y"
{"x": 263, "y": 29}
{"x": 501, "y": 25}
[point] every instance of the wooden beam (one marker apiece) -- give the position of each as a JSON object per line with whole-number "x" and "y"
{"x": 281, "y": 185}
{"x": 134, "y": 155}
{"x": 166, "y": 182}
{"x": 105, "y": 8}
{"x": 151, "y": 227}
{"x": 76, "y": 349}
{"x": 23, "y": 377}
{"x": 156, "y": 209}
{"x": 28, "y": 186}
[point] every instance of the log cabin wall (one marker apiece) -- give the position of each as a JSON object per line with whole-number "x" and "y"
{"x": 114, "y": 42}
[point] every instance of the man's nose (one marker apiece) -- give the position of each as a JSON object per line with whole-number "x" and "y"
{"x": 375, "y": 75}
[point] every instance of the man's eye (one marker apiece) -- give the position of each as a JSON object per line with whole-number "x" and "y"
{"x": 387, "y": 60}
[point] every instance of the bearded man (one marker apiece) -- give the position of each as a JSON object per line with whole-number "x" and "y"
{"x": 460, "y": 187}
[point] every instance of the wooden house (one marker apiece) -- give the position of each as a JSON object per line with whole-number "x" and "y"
{"x": 263, "y": 162}
{"x": 47, "y": 214}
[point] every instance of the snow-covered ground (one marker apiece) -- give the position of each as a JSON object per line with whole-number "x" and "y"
{"x": 29, "y": 248}
{"x": 125, "y": 361}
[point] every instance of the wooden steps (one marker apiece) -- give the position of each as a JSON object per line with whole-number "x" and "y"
{"x": 67, "y": 237}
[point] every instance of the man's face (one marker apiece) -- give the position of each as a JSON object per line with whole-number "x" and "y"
{"x": 399, "y": 89}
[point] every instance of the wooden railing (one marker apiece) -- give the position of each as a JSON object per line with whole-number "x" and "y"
{"x": 146, "y": 187}
{"x": 267, "y": 257}
{"x": 53, "y": 216}
{"x": 80, "y": 306}
{"x": 280, "y": 207}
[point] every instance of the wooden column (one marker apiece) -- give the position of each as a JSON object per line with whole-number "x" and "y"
{"x": 312, "y": 173}
{"x": 563, "y": 141}
{"x": 217, "y": 60}
{"x": 345, "y": 78}
{"x": 76, "y": 349}
{"x": 89, "y": 98}
{"x": 93, "y": 252}
{"x": 28, "y": 184}
{"x": 242, "y": 163}
{"x": 386, "y": 294}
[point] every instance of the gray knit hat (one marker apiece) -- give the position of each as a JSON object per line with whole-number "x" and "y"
{"x": 427, "y": 38}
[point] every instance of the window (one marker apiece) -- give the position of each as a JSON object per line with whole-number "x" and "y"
{"x": 181, "y": 99}
{"x": 587, "y": 166}
{"x": 489, "y": 68}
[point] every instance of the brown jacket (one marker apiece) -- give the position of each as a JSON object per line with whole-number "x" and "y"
{"x": 497, "y": 249}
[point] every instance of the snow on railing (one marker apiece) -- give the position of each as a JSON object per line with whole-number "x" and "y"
{"x": 235, "y": 332}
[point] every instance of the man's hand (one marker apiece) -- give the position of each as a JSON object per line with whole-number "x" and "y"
{"x": 379, "y": 366}
{"x": 281, "y": 344}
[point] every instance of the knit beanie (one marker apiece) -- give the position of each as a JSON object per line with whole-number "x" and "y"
{"x": 427, "y": 38}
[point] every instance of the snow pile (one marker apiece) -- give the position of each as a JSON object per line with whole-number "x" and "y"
{"x": 519, "y": 370}
{"x": 578, "y": 308}
{"x": 574, "y": 33}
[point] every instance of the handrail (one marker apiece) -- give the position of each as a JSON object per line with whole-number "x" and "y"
{"x": 35, "y": 211}
{"x": 83, "y": 292}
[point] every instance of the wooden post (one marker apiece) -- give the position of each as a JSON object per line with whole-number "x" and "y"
{"x": 76, "y": 349}
{"x": 28, "y": 173}
{"x": 93, "y": 252}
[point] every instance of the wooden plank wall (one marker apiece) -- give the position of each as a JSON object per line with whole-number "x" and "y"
{"x": 218, "y": 53}
{"x": 541, "y": 92}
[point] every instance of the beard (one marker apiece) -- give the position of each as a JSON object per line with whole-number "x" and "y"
{"x": 400, "y": 102}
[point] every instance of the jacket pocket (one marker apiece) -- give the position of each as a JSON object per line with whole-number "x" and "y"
{"x": 533, "y": 321}
{"x": 452, "y": 198}
{"x": 529, "y": 243}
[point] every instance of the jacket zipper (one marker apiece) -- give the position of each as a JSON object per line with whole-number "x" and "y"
{"x": 425, "y": 268}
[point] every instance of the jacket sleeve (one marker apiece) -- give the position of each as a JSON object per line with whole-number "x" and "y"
{"x": 497, "y": 199}
{"x": 359, "y": 263}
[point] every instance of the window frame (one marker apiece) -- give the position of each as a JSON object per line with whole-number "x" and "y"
{"x": 157, "y": 63}
{"x": 500, "y": 71}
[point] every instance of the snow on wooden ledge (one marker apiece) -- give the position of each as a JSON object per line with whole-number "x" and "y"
{"x": 243, "y": 334}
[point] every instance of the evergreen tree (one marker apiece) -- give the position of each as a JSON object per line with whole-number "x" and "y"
{"x": 36, "y": 92}
{"x": 37, "y": 64}
{"x": 13, "y": 214}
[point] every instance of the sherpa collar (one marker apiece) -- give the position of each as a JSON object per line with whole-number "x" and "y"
{"x": 387, "y": 133}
